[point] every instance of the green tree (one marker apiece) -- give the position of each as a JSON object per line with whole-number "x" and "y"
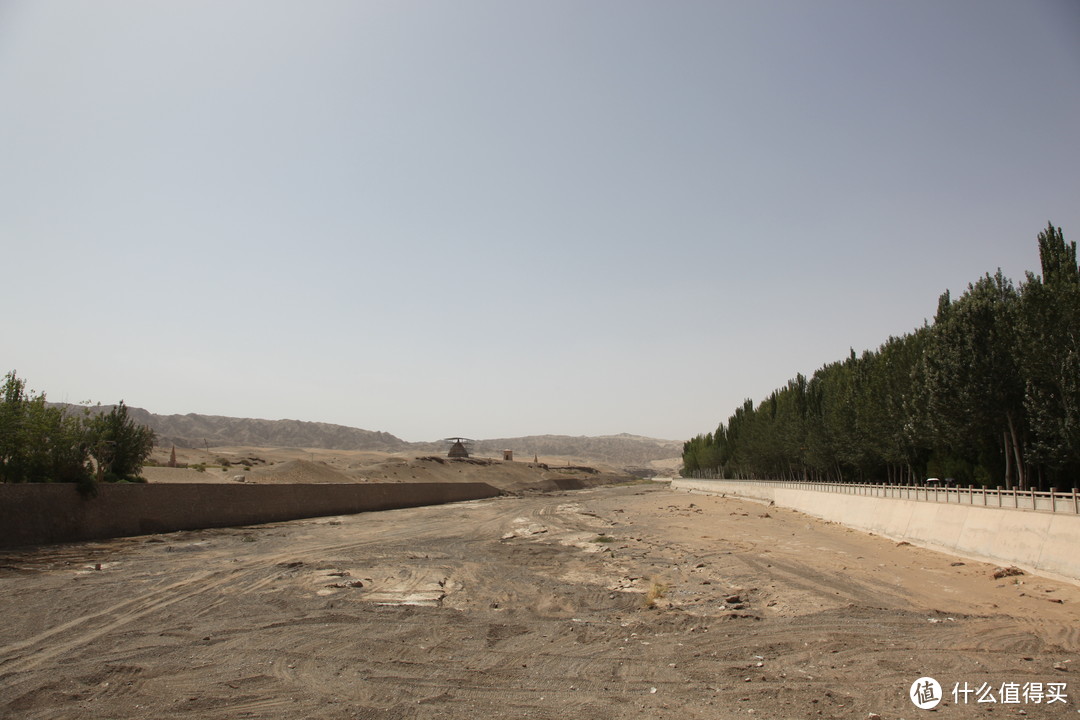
{"x": 1049, "y": 328}
{"x": 12, "y": 406}
{"x": 975, "y": 387}
{"x": 119, "y": 445}
{"x": 44, "y": 443}
{"x": 990, "y": 391}
{"x": 21, "y": 431}
{"x": 39, "y": 443}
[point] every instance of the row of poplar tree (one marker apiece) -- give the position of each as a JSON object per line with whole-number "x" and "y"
{"x": 987, "y": 394}
{"x": 40, "y": 442}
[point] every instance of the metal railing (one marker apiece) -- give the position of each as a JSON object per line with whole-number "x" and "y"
{"x": 1053, "y": 501}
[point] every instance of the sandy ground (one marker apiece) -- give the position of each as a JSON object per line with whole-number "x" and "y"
{"x": 294, "y": 465}
{"x": 614, "y": 602}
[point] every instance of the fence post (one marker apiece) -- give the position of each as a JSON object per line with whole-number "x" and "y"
{"x": 1053, "y": 501}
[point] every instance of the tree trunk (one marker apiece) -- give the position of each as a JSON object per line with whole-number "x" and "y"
{"x": 1020, "y": 475}
{"x": 1008, "y": 462}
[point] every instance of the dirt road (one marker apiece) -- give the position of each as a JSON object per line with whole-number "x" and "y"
{"x": 609, "y": 603}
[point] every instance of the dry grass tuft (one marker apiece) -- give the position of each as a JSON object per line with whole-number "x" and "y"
{"x": 657, "y": 590}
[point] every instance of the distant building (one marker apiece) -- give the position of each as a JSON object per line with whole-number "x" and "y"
{"x": 508, "y": 455}
{"x": 457, "y": 450}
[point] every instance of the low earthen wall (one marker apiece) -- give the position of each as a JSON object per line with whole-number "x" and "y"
{"x": 1034, "y": 540}
{"x": 38, "y": 513}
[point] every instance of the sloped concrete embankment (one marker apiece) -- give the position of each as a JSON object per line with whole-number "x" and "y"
{"x": 1039, "y": 541}
{"x": 34, "y": 514}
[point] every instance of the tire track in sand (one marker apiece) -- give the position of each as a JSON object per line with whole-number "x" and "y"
{"x": 31, "y": 652}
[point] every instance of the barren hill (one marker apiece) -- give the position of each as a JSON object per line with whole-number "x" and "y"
{"x": 194, "y": 430}
{"x": 622, "y": 450}
{"x": 198, "y": 431}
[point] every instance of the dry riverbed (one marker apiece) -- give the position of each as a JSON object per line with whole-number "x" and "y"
{"x": 616, "y": 602}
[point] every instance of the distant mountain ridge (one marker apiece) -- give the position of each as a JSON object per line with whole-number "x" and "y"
{"x": 622, "y": 449}
{"x": 195, "y": 431}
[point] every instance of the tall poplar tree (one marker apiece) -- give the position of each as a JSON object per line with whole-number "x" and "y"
{"x": 1049, "y": 328}
{"x": 976, "y": 391}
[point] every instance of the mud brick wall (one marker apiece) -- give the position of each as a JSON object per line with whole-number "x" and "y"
{"x": 39, "y": 513}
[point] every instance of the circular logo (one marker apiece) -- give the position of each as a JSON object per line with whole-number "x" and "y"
{"x": 925, "y": 693}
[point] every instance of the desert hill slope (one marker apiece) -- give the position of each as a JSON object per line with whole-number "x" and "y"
{"x": 198, "y": 431}
{"x": 195, "y": 431}
{"x": 621, "y": 450}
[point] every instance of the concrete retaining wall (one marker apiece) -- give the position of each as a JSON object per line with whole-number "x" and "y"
{"x": 38, "y": 513}
{"x": 1038, "y": 541}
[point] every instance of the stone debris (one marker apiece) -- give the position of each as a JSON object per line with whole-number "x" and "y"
{"x": 525, "y": 529}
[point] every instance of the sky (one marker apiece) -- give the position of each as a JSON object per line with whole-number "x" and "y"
{"x": 494, "y": 219}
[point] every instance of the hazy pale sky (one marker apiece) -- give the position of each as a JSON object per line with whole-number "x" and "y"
{"x": 500, "y": 218}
